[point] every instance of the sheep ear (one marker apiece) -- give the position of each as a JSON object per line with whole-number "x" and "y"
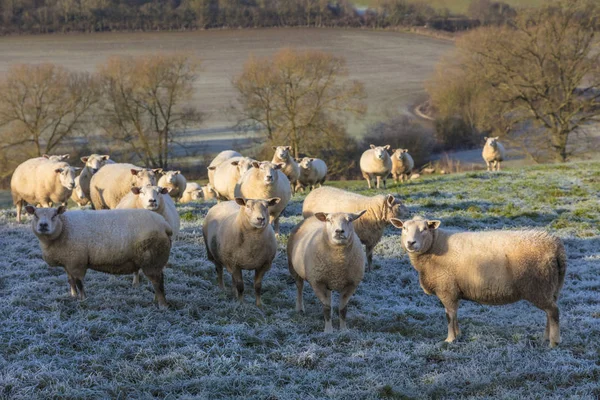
{"x": 288, "y": 147}
{"x": 64, "y": 156}
{"x": 387, "y": 147}
{"x": 176, "y": 172}
{"x": 157, "y": 170}
{"x": 405, "y": 151}
{"x": 255, "y": 164}
{"x": 397, "y": 223}
{"x": 240, "y": 201}
{"x": 311, "y": 159}
{"x": 134, "y": 171}
{"x": 355, "y": 216}
{"x": 274, "y": 147}
{"x": 30, "y": 209}
{"x": 106, "y": 157}
{"x": 279, "y": 166}
{"x": 390, "y": 200}
{"x": 273, "y": 201}
{"x": 321, "y": 216}
{"x": 61, "y": 210}
{"x": 58, "y": 170}
{"x": 497, "y": 137}
{"x": 213, "y": 168}
{"x": 84, "y": 159}
{"x": 372, "y": 146}
{"x": 135, "y": 190}
{"x": 45, "y": 156}
{"x": 485, "y": 138}
{"x": 164, "y": 190}
{"x": 434, "y": 224}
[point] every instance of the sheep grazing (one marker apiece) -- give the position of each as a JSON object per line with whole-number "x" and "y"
{"x": 402, "y": 165}
{"x": 194, "y": 192}
{"x": 116, "y": 242}
{"x": 220, "y": 158}
{"x": 290, "y": 168}
{"x": 57, "y": 158}
{"x": 114, "y": 181}
{"x": 493, "y": 153}
{"x": 78, "y": 196}
{"x": 264, "y": 181}
{"x": 313, "y": 171}
{"x": 42, "y": 181}
{"x": 370, "y": 227}
{"x": 325, "y": 251}
{"x": 376, "y": 162}
{"x": 174, "y": 181}
{"x": 490, "y": 267}
{"x": 92, "y": 164}
{"x": 227, "y": 174}
{"x": 238, "y": 237}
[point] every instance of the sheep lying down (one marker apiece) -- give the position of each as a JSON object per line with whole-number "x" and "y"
{"x": 490, "y": 267}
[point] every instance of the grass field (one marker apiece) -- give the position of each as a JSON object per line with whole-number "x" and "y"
{"x": 117, "y": 344}
{"x": 459, "y": 6}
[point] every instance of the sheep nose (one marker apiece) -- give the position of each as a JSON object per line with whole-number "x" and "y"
{"x": 410, "y": 244}
{"x": 260, "y": 219}
{"x": 339, "y": 231}
{"x": 43, "y": 226}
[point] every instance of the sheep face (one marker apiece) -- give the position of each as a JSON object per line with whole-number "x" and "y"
{"x": 150, "y": 196}
{"x": 45, "y": 221}
{"x": 79, "y": 191}
{"x": 257, "y": 211}
{"x": 197, "y": 194}
{"x": 144, "y": 177}
{"x": 400, "y": 154}
{"x": 67, "y": 176}
{"x": 380, "y": 151}
{"x": 338, "y": 226}
{"x": 394, "y": 208}
{"x": 95, "y": 161}
{"x": 267, "y": 171}
{"x": 171, "y": 176}
{"x": 282, "y": 152}
{"x": 306, "y": 163}
{"x": 56, "y": 158}
{"x": 417, "y": 233}
{"x": 492, "y": 141}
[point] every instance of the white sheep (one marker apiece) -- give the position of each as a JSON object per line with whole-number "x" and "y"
{"x": 42, "y": 181}
{"x": 56, "y": 158}
{"x": 313, "y": 171}
{"x": 238, "y": 237}
{"x": 264, "y": 181}
{"x": 493, "y": 153}
{"x": 110, "y": 241}
{"x": 325, "y": 251}
{"x": 376, "y": 162}
{"x": 78, "y": 196}
{"x": 114, "y": 181}
{"x": 220, "y": 158}
{"x": 402, "y": 165}
{"x": 227, "y": 174}
{"x": 489, "y": 267}
{"x": 290, "y": 168}
{"x": 369, "y": 228}
{"x": 174, "y": 181}
{"x": 92, "y": 164}
{"x": 194, "y": 191}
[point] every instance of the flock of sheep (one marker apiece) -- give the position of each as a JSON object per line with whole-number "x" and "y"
{"x": 134, "y": 223}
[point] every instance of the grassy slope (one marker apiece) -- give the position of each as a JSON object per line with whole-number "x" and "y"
{"x": 117, "y": 344}
{"x": 460, "y": 6}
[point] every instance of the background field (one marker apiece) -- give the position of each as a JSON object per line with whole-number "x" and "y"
{"x": 117, "y": 344}
{"x": 458, "y": 6}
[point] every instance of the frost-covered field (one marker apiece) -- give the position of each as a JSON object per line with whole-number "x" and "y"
{"x": 117, "y": 344}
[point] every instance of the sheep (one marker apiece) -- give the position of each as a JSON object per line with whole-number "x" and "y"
{"x": 490, "y": 267}
{"x": 493, "y": 153}
{"x": 402, "y": 165}
{"x": 58, "y": 158}
{"x": 194, "y": 191}
{"x": 313, "y": 171}
{"x": 41, "y": 181}
{"x": 376, "y": 162}
{"x": 290, "y": 168}
{"x": 78, "y": 196}
{"x": 152, "y": 198}
{"x": 174, "y": 181}
{"x": 325, "y": 251}
{"x": 220, "y": 158}
{"x": 227, "y": 174}
{"x": 265, "y": 180}
{"x": 370, "y": 227}
{"x": 238, "y": 236}
{"x": 92, "y": 164}
{"x": 114, "y": 181}
{"x": 111, "y": 241}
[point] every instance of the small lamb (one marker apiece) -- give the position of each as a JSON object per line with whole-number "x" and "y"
{"x": 290, "y": 167}
{"x": 313, "y": 171}
{"x": 376, "y": 162}
{"x": 325, "y": 251}
{"x": 402, "y": 165}
{"x": 493, "y": 153}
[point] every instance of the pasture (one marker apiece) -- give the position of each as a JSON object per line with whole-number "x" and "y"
{"x": 458, "y": 6}
{"x": 117, "y": 344}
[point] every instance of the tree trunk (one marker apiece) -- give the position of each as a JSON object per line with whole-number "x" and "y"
{"x": 559, "y": 143}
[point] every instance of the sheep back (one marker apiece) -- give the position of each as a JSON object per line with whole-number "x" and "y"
{"x": 114, "y": 181}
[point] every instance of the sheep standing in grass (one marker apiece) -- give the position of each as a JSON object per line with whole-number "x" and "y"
{"x": 402, "y": 165}
{"x": 220, "y": 158}
{"x": 78, "y": 196}
{"x": 116, "y": 242}
{"x": 175, "y": 182}
{"x": 93, "y": 163}
{"x": 313, "y": 171}
{"x": 227, "y": 174}
{"x": 290, "y": 168}
{"x": 493, "y": 153}
{"x": 238, "y": 236}
{"x": 264, "y": 181}
{"x": 41, "y": 181}
{"x": 114, "y": 181}
{"x": 491, "y": 267}
{"x": 369, "y": 228}
{"x": 376, "y": 162}
{"x": 325, "y": 251}
{"x": 194, "y": 192}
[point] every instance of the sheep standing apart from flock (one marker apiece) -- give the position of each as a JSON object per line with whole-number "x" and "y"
{"x": 227, "y": 174}
{"x": 238, "y": 236}
{"x": 370, "y": 227}
{"x": 114, "y": 181}
{"x": 492, "y": 267}
{"x": 174, "y": 181}
{"x": 218, "y": 160}
{"x": 115, "y": 241}
{"x": 325, "y": 251}
{"x": 290, "y": 167}
{"x": 402, "y": 165}
{"x": 92, "y": 164}
{"x": 376, "y": 163}
{"x": 313, "y": 171}
{"x": 493, "y": 153}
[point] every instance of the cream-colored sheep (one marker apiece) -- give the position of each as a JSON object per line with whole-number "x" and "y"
{"x": 56, "y": 158}
{"x": 402, "y": 165}
{"x": 227, "y": 174}
{"x": 194, "y": 192}
{"x": 114, "y": 241}
{"x": 114, "y": 181}
{"x": 370, "y": 227}
{"x": 220, "y": 158}
{"x": 376, "y": 163}
{"x": 264, "y": 181}
{"x": 489, "y": 267}
{"x": 313, "y": 171}
{"x": 78, "y": 196}
{"x": 175, "y": 182}
{"x": 42, "y": 181}
{"x": 238, "y": 237}
{"x": 93, "y": 163}
{"x": 493, "y": 153}
{"x": 325, "y": 251}
{"x": 290, "y": 168}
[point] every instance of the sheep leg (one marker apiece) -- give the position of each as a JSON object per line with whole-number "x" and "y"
{"x": 72, "y": 284}
{"x": 451, "y": 306}
{"x": 158, "y": 282}
{"x": 396, "y": 177}
{"x": 19, "y": 209}
{"x": 299, "y": 286}
{"x": 553, "y": 325}
{"x": 258, "y": 277}
{"x": 347, "y": 292}
{"x": 378, "y": 182}
{"x": 324, "y": 295}
{"x": 488, "y": 165}
{"x": 136, "y": 279}
{"x": 369, "y": 251}
{"x": 276, "y": 225}
{"x": 368, "y": 178}
{"x": 219, "y": 269}
{"x": 79, "y": 283}
{"x": 497, "y": 165}
{"x": 238, "y": 284}
{"x": 384, "y": 182}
